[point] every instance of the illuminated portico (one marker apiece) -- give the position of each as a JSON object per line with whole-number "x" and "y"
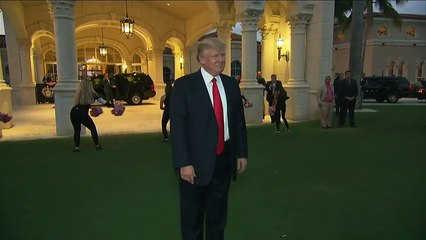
{"x": 40, "y": 41}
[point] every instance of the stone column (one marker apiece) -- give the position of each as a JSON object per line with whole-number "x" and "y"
{"x": 5, "y": 100}
{"x": 178, "y": 69}
{"x": 224, "y": 33}
{"x": 38, "y": 58}
{"x": 155, "y": 59}
{"x": 187, "y": 60}
{"x": 268, "y": 49}
{"x": 251, "y": 89}
{"x": 268, "y": 52}
{"x": 297, "y": 89}
{"x": 128, "y": 62}
{"x": 62, "y": 13}
{"x": 26, "y": 87}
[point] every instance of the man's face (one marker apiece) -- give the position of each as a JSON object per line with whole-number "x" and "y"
{"x": 327, "y": 80}
{"x": 213, "y": 61}
{"x": 348, "y": 75}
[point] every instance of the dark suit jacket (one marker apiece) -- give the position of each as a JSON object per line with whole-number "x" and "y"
{"x": 268, "y": 88}
{"x": 193, "y": 126}
{"x": 348, "y": 90}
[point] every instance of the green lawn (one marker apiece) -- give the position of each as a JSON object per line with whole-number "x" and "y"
{"x": 311, "y": 183}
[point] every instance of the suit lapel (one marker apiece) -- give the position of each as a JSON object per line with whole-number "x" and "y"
{"x": 227, "y": 88}
{"x": 200, "y": 87}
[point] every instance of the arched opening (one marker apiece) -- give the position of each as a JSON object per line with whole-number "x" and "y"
{"x": 91, "y": 63}
{"x": 391, "y": 68}
{"x": 136, "y": 63}
{"x": 401, "y": 69}
{"x": 168, "y": 64}
{"x": 50, "y": 67}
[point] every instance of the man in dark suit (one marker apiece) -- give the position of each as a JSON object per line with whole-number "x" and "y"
{"x": 348, "y": 92}
{"x": 271, "y": 87}
{"x": 209, "y": 142}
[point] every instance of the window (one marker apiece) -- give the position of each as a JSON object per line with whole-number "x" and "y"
{"x": 136, "y": 63}
{"x": 91, "y": 63}
{"x": 401, "y": 69}
{"x": 420, "y": 67}
{"x": 235, "y": 68}
{"x": 50, "y": 69}
{"x": 391, "y": 68}
{"x": 382, "y": 31}
{"x": 411, "y": 32}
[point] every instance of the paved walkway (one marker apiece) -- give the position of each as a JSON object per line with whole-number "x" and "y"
{"x": 38, "y": 121}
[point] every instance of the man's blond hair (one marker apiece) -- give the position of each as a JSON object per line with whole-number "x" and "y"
{"x": 209, "y": 43}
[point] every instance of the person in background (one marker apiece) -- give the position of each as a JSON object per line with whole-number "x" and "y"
{"x": 348, "y": 94}
{"x": 336, "y": 84}
{"x": 165, "y": 106}
{"x": 84, "y": 97}
{"x": 270, "y": 88}
{"x": 279, "y": 102}
{"x": 238, "y": 78}
{"x": 325, "y": 98}
{"x": 209, "y": 142}
{"x": 107, "y": 88}
{"x": 260, "y": 79}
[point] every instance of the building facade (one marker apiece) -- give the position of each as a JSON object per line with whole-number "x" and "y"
{"x": 61, "y": 39}
{"x": 390, "y": 49}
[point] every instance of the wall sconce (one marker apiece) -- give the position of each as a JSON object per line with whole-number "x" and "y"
{"x": 181, "y": 62}
{"x": 280, "y": 43}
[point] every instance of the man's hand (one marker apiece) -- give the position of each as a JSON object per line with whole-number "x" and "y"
{"x": 188, "y": 174}
{"x": 241, "y": 164}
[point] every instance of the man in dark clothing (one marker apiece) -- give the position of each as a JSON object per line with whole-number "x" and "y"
{"x": 347, "y": 94}
{"x": 260, "y": 79}
{"x": 336, "y": 84}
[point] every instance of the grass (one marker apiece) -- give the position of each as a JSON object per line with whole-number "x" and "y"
{"x": 311, "y": 183}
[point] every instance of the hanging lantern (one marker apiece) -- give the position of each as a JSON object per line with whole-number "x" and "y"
{"x": 127, "y": 25}
{"x": 103, "y": 50}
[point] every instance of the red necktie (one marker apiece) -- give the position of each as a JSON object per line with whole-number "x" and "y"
{"x": 218, "y": 112}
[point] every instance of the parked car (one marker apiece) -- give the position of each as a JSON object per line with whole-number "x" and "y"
{"x": 390, "y": 89}
{"x": 421, "y": 92}
{"x": 130, "y": 87}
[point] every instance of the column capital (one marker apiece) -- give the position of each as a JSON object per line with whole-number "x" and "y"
{"x": 299, "y": 22}
{"x": 268, "y": 29}
{"x": 152, "y": 53}
{"x": 249, "y": 19}
{"x": 177, "y": 53}
{"x": 224, "y": 26}
{"x": 61, "y": 8}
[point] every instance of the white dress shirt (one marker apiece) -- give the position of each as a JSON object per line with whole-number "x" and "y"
{"x": 209, "y": 85}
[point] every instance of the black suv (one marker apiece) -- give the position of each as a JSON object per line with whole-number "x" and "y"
{"x": 390, "y": 89}
{"x": 421, "y": 92}
{"x": 130, "y": 87}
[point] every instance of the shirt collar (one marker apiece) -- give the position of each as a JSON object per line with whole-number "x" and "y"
{"x": 208, "y": 77}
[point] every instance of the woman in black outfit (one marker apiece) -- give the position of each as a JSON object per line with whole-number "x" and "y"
{"x": 165, "y": 106}
{"x": 280, "y": 97}
{"x": 83, "y": 99}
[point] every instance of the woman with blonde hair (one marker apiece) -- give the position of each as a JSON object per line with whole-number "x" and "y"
{"x": 84, "y": 97}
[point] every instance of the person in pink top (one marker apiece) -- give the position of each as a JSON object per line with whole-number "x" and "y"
{"x": 325, "y": 97}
